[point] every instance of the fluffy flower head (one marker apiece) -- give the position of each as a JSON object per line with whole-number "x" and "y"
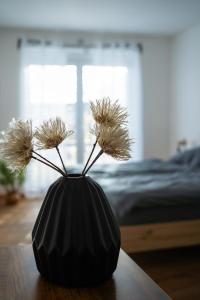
{"x": 16, "y": 144}
{"x": 51, "y": 133}
{"x": 114, "y": 141}
{"x": 107, "y": 113}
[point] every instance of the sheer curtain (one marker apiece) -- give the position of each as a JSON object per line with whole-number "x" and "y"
{"x": 44, "y": 94}
{"x": 61, "y": 80}
{"x": 128, "y": 58}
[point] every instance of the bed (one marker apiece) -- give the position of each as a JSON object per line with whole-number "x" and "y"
{"x": 156, "y": 202}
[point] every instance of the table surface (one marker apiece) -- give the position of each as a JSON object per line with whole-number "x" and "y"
{"x": 19, "y": 279}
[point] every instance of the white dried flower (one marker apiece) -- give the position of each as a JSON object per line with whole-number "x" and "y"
{"x": 114, "y": 141}
{"x": 107, "y": 113}
{"x": 16, "y": 144}
{"x": 51, "y": 133}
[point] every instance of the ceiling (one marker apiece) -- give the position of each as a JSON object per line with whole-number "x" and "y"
{"x": 130, "y": 16}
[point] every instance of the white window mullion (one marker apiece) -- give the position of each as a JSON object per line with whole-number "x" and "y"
{"x": 79, "y": 116}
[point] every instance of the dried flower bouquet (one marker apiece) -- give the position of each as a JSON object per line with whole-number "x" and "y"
{"x": 19, "y": 144}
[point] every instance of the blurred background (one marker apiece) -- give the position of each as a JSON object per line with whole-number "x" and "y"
{"x": 58, "y": 55}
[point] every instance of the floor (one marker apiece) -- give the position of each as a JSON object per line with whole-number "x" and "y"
{"x": 176, "y": 271}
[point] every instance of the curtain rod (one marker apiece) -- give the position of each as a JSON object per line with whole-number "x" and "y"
{"x": 80, "y": 44}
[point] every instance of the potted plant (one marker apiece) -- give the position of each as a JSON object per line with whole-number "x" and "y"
{"x": 11, "y": 182}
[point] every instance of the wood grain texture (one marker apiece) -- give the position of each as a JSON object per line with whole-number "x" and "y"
{"x": 16, "y": 222}
{"x": 19, "y": 280}
{"x": 177, "y": 271}
{"x": 160, "y": 236}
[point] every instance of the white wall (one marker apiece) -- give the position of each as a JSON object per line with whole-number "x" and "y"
{"x": 9, "y": 78}
{"x": 155, "y": 69}
{"x": 185, "y": 100}
{"x": 156, "y": 78}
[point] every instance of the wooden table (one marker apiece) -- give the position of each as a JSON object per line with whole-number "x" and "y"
{"x": 20, "y": 280}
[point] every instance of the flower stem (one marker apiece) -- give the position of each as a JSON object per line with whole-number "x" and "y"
{"x": 61, "y": 159}
{"x": 48, "y": 161}
{"x": 98, "y": 155}
{"x": 43, "y": 162}
{"x": 94, "y": 145}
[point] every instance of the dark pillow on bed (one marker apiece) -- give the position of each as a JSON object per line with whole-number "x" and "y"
{"x": 189, "y": 157}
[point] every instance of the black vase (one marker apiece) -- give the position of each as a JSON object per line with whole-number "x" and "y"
{"x": 76, "y": 238}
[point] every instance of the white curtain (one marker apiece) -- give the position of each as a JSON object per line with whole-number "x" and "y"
{"x": 42, "y": 97}
{"x": 130, "y": 57}
{"x": 104, "y": 70}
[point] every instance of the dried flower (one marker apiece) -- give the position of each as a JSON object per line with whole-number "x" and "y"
{"x": 107, "y": 113}
{"x": 51, "y": 133}
{"x": 16, "y": 144}
{"x": 114, "y": 141}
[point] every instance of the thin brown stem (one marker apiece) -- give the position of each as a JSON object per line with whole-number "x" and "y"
{"x": 98, "y": 155}
{"x": 94, "y": 145}
{"x": 45, "y": 163}
{"x": 48, "y": 161}
{"x": 61, "y": 159}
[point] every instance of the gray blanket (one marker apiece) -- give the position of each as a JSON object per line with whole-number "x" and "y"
{"x": 148, "y": 183}
{"x": 151, "y": 183}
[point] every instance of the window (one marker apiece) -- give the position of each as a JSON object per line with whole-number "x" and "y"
{"x": 60, "y": 83}
{"x": 97, "y": 81}
{"x": 50, "y": 92}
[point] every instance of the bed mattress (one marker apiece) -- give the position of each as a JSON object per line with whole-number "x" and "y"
{"x": 151, "y": 215}
{"x": 151, "y": 191}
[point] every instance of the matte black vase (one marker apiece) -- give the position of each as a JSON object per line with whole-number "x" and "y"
{"x": 76, "y": 238}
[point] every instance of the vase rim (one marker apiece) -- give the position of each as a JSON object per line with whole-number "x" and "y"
{"x": 75, "y": 176}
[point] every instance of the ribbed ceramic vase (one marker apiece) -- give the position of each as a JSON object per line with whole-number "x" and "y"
{"x": 76, "y": 238}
